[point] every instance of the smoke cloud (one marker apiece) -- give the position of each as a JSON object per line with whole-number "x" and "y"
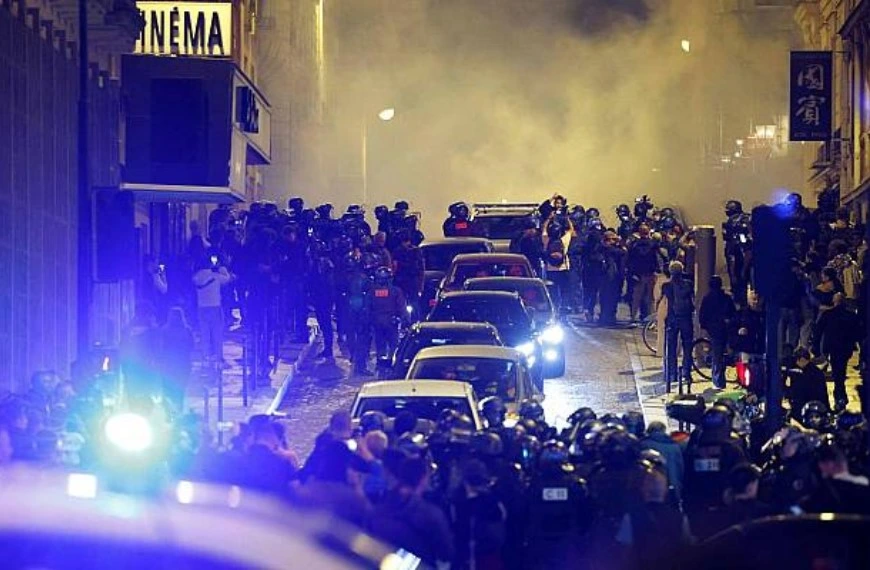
{"x": 517, "y": 99}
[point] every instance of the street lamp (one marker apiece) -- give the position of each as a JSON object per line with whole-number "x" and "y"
{"x": 686, "y": 46}
{"x": 386, "y": 115}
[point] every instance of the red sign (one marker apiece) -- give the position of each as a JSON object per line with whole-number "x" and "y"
{"x": 380, "y": 293}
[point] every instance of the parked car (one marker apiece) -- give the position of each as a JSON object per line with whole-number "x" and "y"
{"x": 502, "y": 222}
{"x": 491, "y": 371}
{"x": 425, "y": 334}
{"x": 425, "y": 398}
{"x": 505, "y": 311}
{"x": 535, "y": 294}
{"x": 437, "y": 257}
{"x": 470, "y": 265}
{"x": 67, "y": 521}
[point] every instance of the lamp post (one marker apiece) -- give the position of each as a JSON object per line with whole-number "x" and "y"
{"x": 386, "y": 115}
{"x": 85, "y": 223}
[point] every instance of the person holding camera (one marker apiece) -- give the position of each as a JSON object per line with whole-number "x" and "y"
{"x": 210, "y": 276}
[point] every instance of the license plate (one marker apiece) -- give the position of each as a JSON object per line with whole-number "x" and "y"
{"x": 706, "y": 465}
{"x": 555, "y": 494}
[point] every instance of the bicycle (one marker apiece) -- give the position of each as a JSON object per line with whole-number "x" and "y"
{"x": 702, "y": 361}
{"x": 650, "y": 334}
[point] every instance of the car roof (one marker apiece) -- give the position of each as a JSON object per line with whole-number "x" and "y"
{"x": 518, "y": 281}
{"x": 199, "y": 519}
{"x": 490, "y": 257}
{"x": 469, "y": 351}
{"x": 504, "y": 295}
{"x": 415, "y": 389}
{"x": 456, "y": 241}
{"x": 446, "y": 326}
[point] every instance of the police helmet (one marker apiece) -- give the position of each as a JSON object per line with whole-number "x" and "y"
{"x": 369, "y": 262}
{"x": 526, "y": 450}
{"x": 296, "y": 204}
{"x": 324, "y": 210}
{"x": 493, "y": 410}
{"x": 729, "y": 404}
{"x": 611, "y": 419}
{"x": 634, "y": 423}
{"x": 623, "y": 210}
{"x": 372, "y": 420}
{"x": 667, "y": 224}
{"x": 733, "y": 207}
{"x": 453, "y": 209}
{"x": 381, "y": 211}
{"x": 531, "y": 410}
{"x": 717, "y": 417}
{"x": 402, "y": 206}
{"x": 794, "y": 200}
{"x": 593, "y": 213}
{"x": 581, "y": 415}
{"x": 814, "y": 415}
{"x": 383, "y": 275}
{"x": 666, "y": 212}
{"x": 487, "y": 444}
{"x": 555, "y": 229}
{"x": 619, "y": 448}
{"x": 553, "y": 455}
{"x": 355, "y": 210}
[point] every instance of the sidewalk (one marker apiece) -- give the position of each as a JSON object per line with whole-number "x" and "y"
{"x": 651, "y": 389}
{"x": 202, "y": 393}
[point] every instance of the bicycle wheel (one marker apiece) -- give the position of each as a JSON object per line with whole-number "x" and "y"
{"x": 702, "y": 358}
{"x": 650, "y": 335}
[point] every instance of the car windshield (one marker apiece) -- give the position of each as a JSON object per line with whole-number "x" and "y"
{"x": 418, "y": 342}
{"x": 533, "y": 294}
{"x": 488, "y": 376}
{"x": 499, "y": 312}
{"x": 438, "y": 257}
{"x": 465, "y": 271}
{"x": 500, "y": 227}
{"x": 422, "y": 407}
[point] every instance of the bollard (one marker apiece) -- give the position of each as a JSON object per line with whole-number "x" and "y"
{"x": 705, "y": 259}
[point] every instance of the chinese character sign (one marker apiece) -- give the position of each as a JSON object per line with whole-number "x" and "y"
{"x": 811, "y": 105}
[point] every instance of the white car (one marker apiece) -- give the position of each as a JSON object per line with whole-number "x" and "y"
{"x": 67, "y": 521}
{"x": 425, "y": 398}
{"x": 490, "y": 370}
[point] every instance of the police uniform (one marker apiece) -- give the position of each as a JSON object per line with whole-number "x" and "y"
{"x": 388, "y": 304}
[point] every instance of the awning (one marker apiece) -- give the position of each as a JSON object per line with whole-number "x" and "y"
{"x": 188, "y": 194}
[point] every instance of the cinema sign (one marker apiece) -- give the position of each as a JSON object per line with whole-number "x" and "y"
{"x": 186, "y": 28}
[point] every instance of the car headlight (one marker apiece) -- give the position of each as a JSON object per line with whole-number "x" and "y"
{"x": 527, "y": 348}
{"x": 553, "y": 334}
{"x": 129, "y": 432}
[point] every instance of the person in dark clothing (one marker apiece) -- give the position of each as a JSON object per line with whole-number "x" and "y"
{"x": 840, "y": 491}
{"x": 176, "y": 350}
{"x": 322, "y": 292}
{"x": 837, "y": 333}
{"x": 806, "y": 383}
{"x": 679, "y": 322}
{"x": 293, "y": 276}
{"x": 340, "y": 429}
{"x": 531, "y": 245}
{"x": 658, "y": 439}
{"x": 657, "y": 529}
{"x": 611, "y": 286}
{"x": 641, "y": 267}
{"x": 140, "y": 354}
{"x": 407, "y": 520}
{"x": 593, "y": 272}
{"x": 715, "y": 316}
{"x": 741, "y": 503}
{"x": 334, "y": 488}
{"x": 263, "y": 469}
{"x": 478, "y": 520}
{"x": 409, "y": 271}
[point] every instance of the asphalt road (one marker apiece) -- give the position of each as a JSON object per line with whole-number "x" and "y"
{"x": 599, "y": 375}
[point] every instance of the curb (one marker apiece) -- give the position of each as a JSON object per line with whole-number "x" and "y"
{"x": 272, "y": 408}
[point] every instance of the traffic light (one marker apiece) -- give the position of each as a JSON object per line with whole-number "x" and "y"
{"x": 772, "y": 251}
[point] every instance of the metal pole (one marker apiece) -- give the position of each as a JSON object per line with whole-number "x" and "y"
{"x": 245, "y": 375}
{"x": 85, "y": 223}
{"x": 220, "y": 403}
{"x": 774, "y": 376}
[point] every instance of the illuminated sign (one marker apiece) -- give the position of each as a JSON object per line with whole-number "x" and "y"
{"x": 186, "y": 28}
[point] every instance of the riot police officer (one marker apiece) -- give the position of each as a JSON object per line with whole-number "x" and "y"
{"x": 712, "y": 452}
{"x": 409, "y": 270}
{"x": 558, "y": 509}
{"x": 738, "y": 245}
{"x": 322, "y": 294}
{"x": 457, "y": 224}
{"x": 627, "y": 224}
{"x": 359, "y": 303}
{"x": 387, "y": 311}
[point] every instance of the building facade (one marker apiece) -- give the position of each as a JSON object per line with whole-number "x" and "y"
{"x": 842, "y": 164}
{"x": 39, "y": 82}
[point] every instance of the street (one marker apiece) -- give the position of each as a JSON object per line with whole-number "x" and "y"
{"x": 599, "y": 375}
